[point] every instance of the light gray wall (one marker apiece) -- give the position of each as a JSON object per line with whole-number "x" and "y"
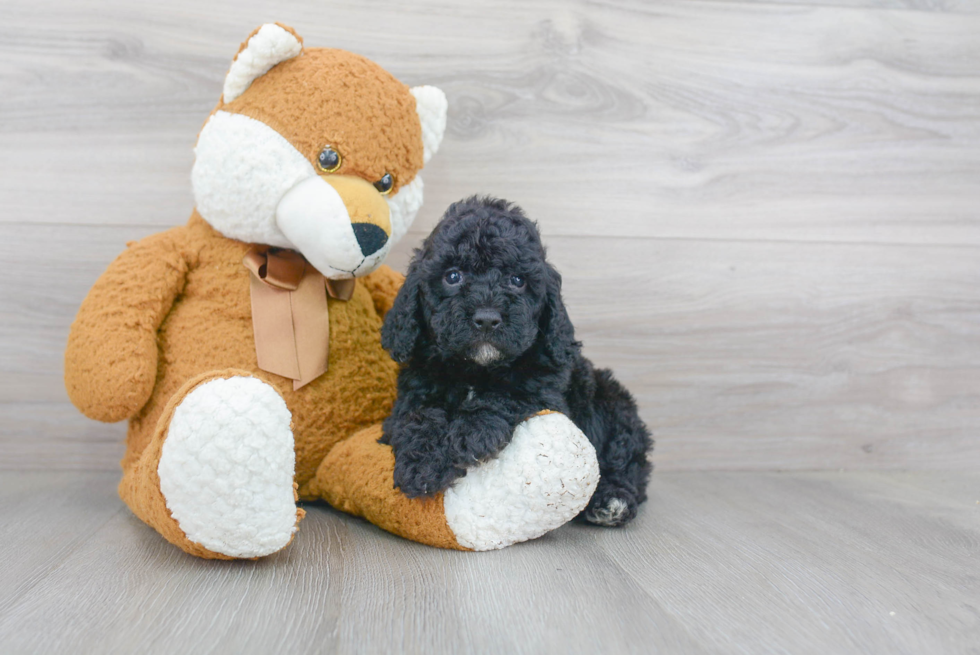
{"x": 766, "y": 213}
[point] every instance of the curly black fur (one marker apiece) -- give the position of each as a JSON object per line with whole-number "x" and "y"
{"x": 487, "y": 343}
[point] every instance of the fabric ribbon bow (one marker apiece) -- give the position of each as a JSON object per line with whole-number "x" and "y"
{"x": 290, "y": 319}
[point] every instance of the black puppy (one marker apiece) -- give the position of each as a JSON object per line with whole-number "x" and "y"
{"x": 487, "y": 344}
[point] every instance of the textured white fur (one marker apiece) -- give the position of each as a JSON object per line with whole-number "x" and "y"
{"x": 541, "y": 480}
{"x": 242, "y": 169}
{"x": 267, "y": 47}
{"x": 431, "y": 106}
{"x": 404, "y": 207}
{"x": 313, "y": 217}
{"x": 252, "y": 185}
{"x": 227, "y": 468}
{"x": 486, "y": 354}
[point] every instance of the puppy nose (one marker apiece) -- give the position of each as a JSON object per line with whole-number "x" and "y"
{"x": 487, "y": 319}
{"x": 370, "y": 237}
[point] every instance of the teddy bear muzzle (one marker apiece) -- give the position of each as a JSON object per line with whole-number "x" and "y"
{"x": 340, "y": 223}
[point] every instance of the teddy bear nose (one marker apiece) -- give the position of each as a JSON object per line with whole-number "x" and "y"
{"x": 487, "y": 319}
{"x": 370, "y": 237}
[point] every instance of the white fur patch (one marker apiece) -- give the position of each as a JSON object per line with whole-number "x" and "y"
{"x": 252, "y": 185}
{"x": 242, "y": 169}
{"x": 404, "y": 206}
{"x": 227, "y": 468}
{"x": 485, "y": 354}
{"x": 314, "y": 218}
{"x": 267, "y": 47}
{"x": 541, "y": 480}
{"x": 431, "y": 106}
{"x": 610, "y": 515}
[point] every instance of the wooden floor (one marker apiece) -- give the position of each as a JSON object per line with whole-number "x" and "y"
{"x": 767, "y": 216}
{"x": 716, "y": 563}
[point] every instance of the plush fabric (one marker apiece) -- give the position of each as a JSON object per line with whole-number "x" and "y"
{"x": 219, "y": 451}
{"x": 264, "y": 48}
{"x": 498, "y": 503}
{"x": 333, "y": 97}
{"x": 131, "y": 309}
{"x": 356, "y": 478}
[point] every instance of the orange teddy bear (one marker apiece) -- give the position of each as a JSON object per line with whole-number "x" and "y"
{"x": 244, "y": 347}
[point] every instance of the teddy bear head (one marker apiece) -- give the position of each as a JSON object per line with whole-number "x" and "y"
{"x": 317, "y": 150}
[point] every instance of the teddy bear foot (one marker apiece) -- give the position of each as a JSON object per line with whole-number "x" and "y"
{"x": 226, "y": 468}
{"x": 541, "y": 480}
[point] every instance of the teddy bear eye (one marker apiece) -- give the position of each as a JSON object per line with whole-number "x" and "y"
{"x": 453, "y": 277}
{"x": 329, "y": 160}
{"x": 384, "y": 184}
{"x": 517, "y": 281}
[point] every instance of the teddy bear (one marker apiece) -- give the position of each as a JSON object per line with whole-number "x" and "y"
{"x": 243, "y": 347}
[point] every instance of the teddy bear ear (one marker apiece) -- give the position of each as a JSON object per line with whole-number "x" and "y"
{"x": 264, "y": 48}
{"x": 431, "y": 105}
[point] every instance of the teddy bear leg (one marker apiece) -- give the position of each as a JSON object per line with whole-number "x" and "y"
{"x": 217, "y": 478}
{"x": 357, "y": 477}
{"x": 541, "y": 480}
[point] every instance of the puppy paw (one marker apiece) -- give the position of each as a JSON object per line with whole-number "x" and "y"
{"x": 424, "y": 476}
{"x": 611, "y": 508}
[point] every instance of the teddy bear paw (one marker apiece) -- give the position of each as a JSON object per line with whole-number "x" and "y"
{"x": 227, "y": 465}
{"x": 541, "y": 480}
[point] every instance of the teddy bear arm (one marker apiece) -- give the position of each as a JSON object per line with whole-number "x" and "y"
{"x": 383, "y": 285}
{"x": 111, "y": 357}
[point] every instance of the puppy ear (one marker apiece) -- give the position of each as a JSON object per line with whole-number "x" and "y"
{"x": 402, "y": 328}
{"x": 556, "y": 330}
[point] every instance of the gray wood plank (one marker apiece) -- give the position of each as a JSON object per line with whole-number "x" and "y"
{"x": 45, "y": 518}
{"x": 674, "y": 119}
{"x": 342, "y": 585}
{"x": 945, "y": 6}
{"x": 869, "y": 563}
{"x": 742, "y": 355}
{"x": 716, "y": 562}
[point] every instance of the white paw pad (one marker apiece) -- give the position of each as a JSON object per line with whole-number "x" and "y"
{"x": 541, "y": 480}
{"x": 226, "y": 470}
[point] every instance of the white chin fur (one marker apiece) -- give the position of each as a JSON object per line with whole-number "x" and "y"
{"x": 485, "y": 354}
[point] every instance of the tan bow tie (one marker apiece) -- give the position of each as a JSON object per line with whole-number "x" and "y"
{"x": 289, "y": 313}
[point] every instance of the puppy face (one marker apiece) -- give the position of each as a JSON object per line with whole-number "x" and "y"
{"x": 480, "y": 291}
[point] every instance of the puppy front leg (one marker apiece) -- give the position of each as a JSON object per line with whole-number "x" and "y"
{"x": 477, "y": 435}
{"x": 424, "y": 464}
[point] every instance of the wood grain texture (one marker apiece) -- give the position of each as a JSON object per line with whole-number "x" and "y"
{"x": 765, "y": 212}
{"x": 678, "y": 119}
{"x": 742, "y": 355}
{"x": 715, "y": 563}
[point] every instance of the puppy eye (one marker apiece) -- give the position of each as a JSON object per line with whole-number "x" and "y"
{"x": 384, "y": 184}
{"x": 329, "y": 160}
{"x": 517, "y": 281}
{"x": 453, "y": 277}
